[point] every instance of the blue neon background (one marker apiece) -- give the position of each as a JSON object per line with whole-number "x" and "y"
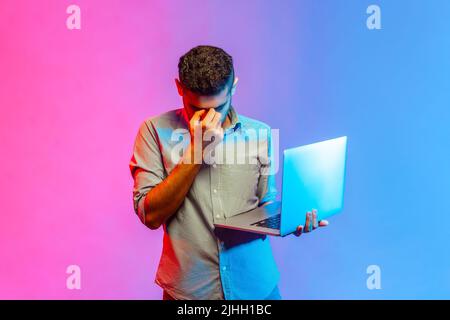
{"x": 313, "y": 69}
{"x": 388, "y": 91}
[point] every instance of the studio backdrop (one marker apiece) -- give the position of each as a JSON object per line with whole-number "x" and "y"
{"x": 77, "y": 78}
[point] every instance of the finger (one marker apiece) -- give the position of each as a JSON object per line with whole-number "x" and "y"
{"x": 216, "y": 120}
{"x": 307, "y": 222}
{"x": 209, "y": 116}
{"x": 216, "y": 127}
{"x": 196, "y": 117}
{"x": 195, "y": 124}
{"x": 195, "y": 120}
{"x": 323, "y": 223}
{"x": 310, "y": 226}
{"x": 299, "y": 231}
{"x": 315, "y": 224}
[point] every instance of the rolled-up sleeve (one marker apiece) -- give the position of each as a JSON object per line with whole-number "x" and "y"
{"x": 146, "y": 165}
{"x": 266, "y": 189}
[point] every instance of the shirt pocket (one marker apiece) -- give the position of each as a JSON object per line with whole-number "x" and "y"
{"x": 238, "y": 186}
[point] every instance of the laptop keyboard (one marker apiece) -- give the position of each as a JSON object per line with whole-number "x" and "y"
{"x": 272, "y": 222}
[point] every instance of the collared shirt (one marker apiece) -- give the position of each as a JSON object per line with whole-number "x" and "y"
{"x": 199, "y": 261}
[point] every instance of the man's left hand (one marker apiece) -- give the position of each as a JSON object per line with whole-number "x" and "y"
{"x": 310, "y": 224}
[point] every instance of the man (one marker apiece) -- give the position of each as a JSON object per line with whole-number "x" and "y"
{"x": 185, "y": 196}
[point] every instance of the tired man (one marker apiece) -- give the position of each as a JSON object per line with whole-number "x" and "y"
{"x": 185, "y": 196}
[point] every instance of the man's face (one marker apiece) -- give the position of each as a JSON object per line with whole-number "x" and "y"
{"x": 193, "y": 102}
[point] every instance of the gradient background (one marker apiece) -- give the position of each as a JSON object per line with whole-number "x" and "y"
{"x": 72, "y": 100}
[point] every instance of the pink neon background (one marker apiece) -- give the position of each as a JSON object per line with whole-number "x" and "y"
{"x": 71, "y": 104}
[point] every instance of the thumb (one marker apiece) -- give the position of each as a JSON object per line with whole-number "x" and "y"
{"x": 299, "y": 231}
{"x": 323, "y": 223}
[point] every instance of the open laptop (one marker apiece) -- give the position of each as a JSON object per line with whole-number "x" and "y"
{"x": 313, "y": 178}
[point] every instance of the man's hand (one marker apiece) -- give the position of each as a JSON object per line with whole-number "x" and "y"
{"x": 202, "y": 127}
{"x": 311, "y": 223}
{"x": 205, "y": 120}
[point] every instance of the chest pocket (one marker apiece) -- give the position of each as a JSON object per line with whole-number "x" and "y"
{"x": 238, "y": 185}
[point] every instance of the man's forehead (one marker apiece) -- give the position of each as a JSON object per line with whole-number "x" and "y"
{"x": 204, "y": 101}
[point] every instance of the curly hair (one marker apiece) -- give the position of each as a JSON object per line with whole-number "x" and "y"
{"x": 206, "y": 70}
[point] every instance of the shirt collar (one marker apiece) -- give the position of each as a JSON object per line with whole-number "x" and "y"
{"x": 235, "y": 120}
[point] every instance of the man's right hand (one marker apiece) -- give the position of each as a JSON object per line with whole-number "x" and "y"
{"x": 204, "y": 122}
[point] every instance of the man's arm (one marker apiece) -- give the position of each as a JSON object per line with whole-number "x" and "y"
{"x": 164, "y": 200}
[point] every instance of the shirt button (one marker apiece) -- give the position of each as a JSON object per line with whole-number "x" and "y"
{"x": 214, "y": 165}
{"x": 217, "y": 216}
{"x": 224, "y": 268}
{"x": 215, "y": 190}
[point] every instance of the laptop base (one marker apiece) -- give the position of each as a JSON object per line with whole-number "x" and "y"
{"x": 251, "y": 221}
